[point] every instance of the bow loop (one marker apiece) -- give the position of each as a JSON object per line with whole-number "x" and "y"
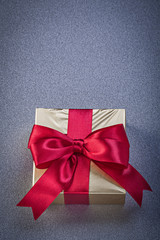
{"x": 47, "y": 145}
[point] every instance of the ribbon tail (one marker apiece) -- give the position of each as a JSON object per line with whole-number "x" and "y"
{"x": 43, "y": 193}
{"x": 130, "y": 179}
{"x": 136, "y": 185}
{"x": 37, "y": 208}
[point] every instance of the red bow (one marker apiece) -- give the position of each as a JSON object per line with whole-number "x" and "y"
{"x": 108, "y": 148}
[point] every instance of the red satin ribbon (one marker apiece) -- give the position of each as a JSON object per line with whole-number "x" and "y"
{"x": 108, "y": 148}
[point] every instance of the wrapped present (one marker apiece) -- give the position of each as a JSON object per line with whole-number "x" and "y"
{"x": 81, "y": 157}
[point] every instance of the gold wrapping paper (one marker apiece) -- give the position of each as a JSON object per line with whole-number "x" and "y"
{"x": 102, "y": 188}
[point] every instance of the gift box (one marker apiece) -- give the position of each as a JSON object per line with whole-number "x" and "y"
{"x": 102, "y": 188}
{"x": 81, "y": 156}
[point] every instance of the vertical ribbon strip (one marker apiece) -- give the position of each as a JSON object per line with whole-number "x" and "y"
{"x": 79, "y": 126}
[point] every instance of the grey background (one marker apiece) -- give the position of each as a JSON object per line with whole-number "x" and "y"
{"x": 79, "y": 54}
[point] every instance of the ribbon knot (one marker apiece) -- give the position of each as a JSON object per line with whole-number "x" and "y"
{"x": 78, "y": 145}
